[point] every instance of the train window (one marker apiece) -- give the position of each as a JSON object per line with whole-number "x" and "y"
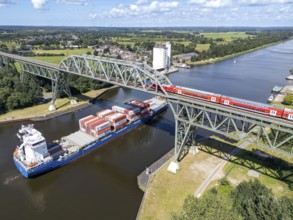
{"x": 213, "y": 99}
{"x": 226, "y": 102}
{"x": 290, "y": 116}
{"x": 179, "y": 91}
{"x": 273, "y": 112}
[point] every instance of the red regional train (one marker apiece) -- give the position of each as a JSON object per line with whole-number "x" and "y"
{"x": 231, "y": 101}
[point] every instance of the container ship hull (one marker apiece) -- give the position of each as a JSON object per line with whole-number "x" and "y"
{"x": 50, "y": 165}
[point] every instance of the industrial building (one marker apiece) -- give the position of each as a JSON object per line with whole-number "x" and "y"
{"x": 162, "y": 56}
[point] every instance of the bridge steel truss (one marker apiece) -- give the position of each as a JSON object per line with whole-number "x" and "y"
{"x": 120, "y": 72}
{"x": 38, "y": 68}
{"x": 238, "y": 125}
{"x": 189, "y": 114}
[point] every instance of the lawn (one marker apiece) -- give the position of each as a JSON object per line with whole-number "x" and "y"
{"x": 202, "y": 47}
{"x": 57, "y": 59}
{"x": 227, "y": 36}
{"x": 67, "y": 52}
{"x": 237, "y": 172}
{"x": 9, "y": 44}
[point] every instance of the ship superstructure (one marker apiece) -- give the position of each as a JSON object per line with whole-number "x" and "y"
{"x": 33, "y": 149}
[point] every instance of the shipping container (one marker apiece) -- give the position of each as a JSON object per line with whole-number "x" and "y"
{"x": 88, "y": 124}
{"x": 101, "y": 133}
{"x": 138, "y": 104}
{"x": 104, "y": 113}
{"x": 118, "y": 127}
{"x": 116, "y": 117}
{"x": 132, "y": 118}
{"x": 126, "y": 109}
{"x": 82, "y": 121}
{"x": 145, "y": 113}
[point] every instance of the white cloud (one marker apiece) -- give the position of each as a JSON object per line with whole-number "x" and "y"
{"x": 264, "y": 2}
{"x": 141, "y": 2}
{"x": 284, "y": 9}
{"x": 73, "y": 2}
{"x": 135, "y": 9}
{"x": 4, "y": 3}
{"x": 210, "y": 3}
{"x": 39, "y": 4}
{"x": 93, "y": 15}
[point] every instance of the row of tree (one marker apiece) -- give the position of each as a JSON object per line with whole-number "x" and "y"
{"x": 249, "y": 200}
{"x": 240, "y": 45}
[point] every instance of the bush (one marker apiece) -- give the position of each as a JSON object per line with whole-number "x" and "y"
{"x": 288, "y": 100}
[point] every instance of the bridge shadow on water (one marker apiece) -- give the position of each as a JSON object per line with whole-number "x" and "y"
{"x": 256, "y": 159}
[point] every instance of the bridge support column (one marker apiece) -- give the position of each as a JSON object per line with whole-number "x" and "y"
{"x": 60, "y": 85}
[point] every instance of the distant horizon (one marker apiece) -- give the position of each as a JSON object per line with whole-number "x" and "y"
{"x": 148, "y": 27}
{"x": 147, "y": 13}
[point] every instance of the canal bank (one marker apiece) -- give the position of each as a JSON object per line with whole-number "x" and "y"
{"x": 41, "y": 112}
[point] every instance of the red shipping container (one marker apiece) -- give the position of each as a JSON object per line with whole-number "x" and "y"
{"x": 116, "y": 128}
{"x": 104, "y": 113}
{"x": 116, "y": 117}
{"x": 97, "y": 123}
{"x": 84, "y": 120}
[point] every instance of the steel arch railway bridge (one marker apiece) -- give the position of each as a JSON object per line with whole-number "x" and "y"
{"x": 189, "y": 113}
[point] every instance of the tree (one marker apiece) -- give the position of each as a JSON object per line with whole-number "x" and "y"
{"x": 210, "y": 206}
{"x": 288, "y": 100}
{"x": 255, "y": 201}
{"x": 291, "y": 71}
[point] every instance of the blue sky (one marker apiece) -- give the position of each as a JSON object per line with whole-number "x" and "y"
{"x": 147, "y": 13}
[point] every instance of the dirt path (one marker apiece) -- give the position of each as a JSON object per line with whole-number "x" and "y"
{"x": 217, "y": 173}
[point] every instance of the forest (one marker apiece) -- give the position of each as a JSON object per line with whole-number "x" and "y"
{"x": 17, "y": 92}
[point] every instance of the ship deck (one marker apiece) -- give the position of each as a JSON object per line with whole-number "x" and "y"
{"x": 79, "y": 139}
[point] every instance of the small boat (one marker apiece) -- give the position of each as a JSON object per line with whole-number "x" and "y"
{"x": 289, "y": 77}
{"x": 271, "y": 98}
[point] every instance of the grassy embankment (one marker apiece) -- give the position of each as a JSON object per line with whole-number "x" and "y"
{"x": 166, "y": 191}
{"x": 62, "y": 104}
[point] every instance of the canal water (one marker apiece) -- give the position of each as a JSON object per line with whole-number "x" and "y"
{"x": 103, "y": 184}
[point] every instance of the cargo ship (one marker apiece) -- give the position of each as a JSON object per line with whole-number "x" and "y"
{"x": 34, "y": 157}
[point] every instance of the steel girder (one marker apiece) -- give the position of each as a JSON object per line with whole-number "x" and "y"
{"x": 124, "y": 73}
{"x": 232, "y": 124}
{"x": 59, "y": 80}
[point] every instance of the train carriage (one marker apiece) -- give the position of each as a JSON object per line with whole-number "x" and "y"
{"x": 288, "y": 114}
{"x": 252, "y": 106}
{"x": 209, "y": 96}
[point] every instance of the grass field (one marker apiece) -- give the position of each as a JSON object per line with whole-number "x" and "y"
{"x": 202, "y": 47}
{"x": 227, "y": 36}
{"x": 9, "y": 44}
{"x": 237, "y": 173}
{"x": 68, "y": 52}
{"x": 57, "y": 59}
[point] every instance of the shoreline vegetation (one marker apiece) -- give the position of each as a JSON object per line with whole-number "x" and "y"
{"x": 40, "y": 112}
{"x": 219, "y": 59}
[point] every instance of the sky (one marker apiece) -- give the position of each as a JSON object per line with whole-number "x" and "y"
{"x": 147, "y": 13}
